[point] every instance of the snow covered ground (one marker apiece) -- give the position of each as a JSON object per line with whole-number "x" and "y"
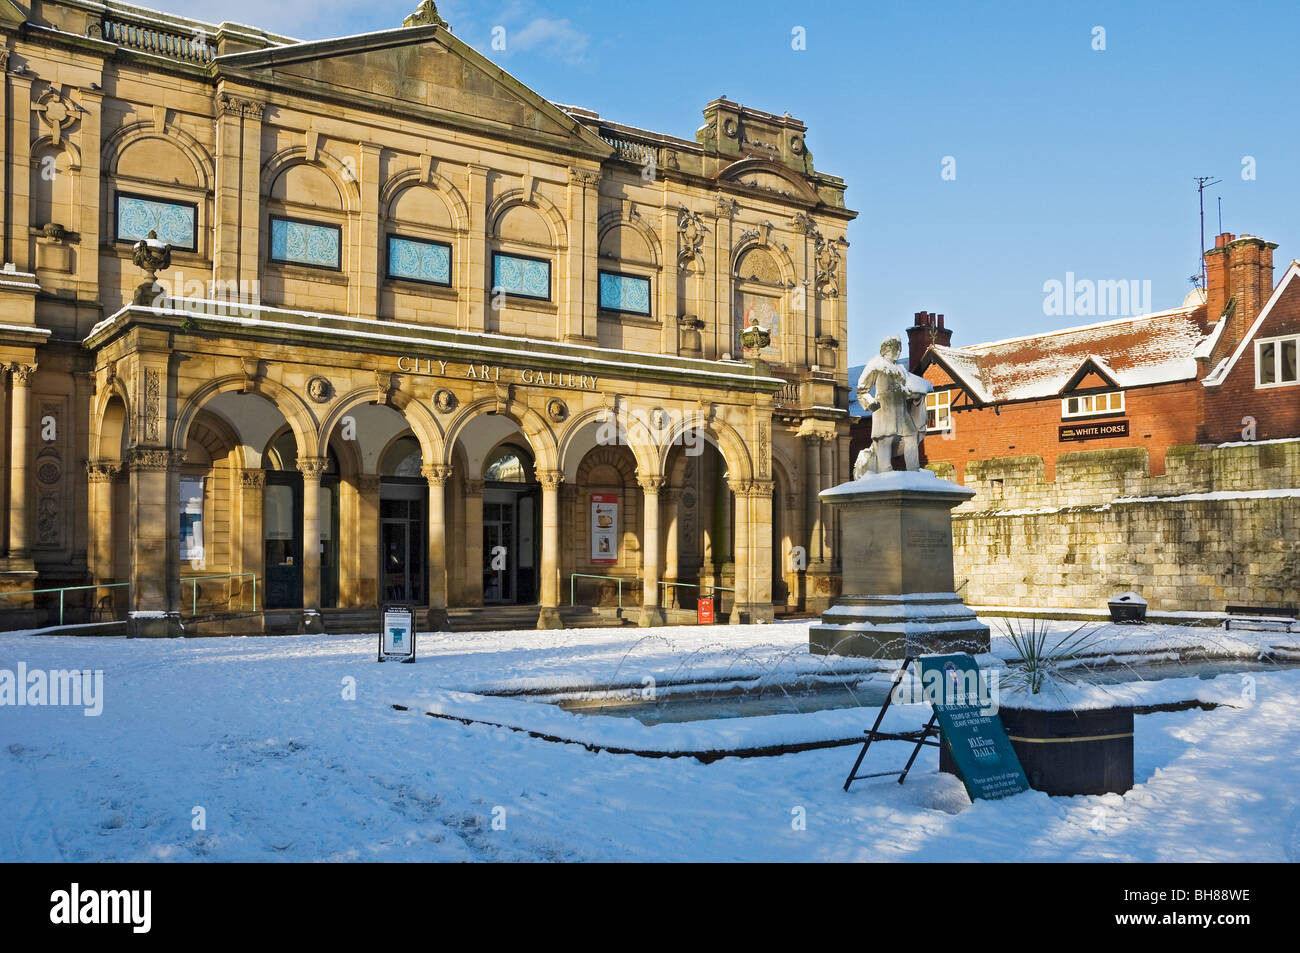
{"x": 286, "y": 762}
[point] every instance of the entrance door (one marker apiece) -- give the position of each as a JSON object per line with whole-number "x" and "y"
{"x": 402, "y": 550}
{"x": 282, "y": 540}
{"x": 499, "y": 562}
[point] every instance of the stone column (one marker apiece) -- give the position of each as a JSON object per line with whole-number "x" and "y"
{"x": 437, "y": 475}
{"x": 670, "y": 498}
{"x": 474, "y": 542}
{"x": 759, "y": 548}
{"x": 828, "y": 518}
{"x": 312, "y": 468}
{"x": 813, "y": 486}
{"x": 477, "y": 289}
{"x": 154, "y": 521}
{"x": 100, "y": 475}
{"x": 20, "y": 542}
{"x": 251, "y": 547}
{"x": 652, "y": 613}
{"x": 368, "y": 540}
{"x": 549, "y": 616}
{"x": 740, "y": 605}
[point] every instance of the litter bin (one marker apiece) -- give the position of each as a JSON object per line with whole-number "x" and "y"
{"x": 1128, "y": 608}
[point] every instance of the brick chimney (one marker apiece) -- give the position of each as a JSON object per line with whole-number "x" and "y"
{"x": 1240, "y": 271}
{"x": 927, "y": 330}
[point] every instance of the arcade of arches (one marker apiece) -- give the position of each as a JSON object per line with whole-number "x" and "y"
{"x": 442, "y": 483}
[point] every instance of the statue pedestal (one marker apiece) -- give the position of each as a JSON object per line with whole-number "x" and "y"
{"x": 898, "y": 591}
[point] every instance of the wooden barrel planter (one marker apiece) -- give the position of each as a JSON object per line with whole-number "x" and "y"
{"x": 1069, "y": 752}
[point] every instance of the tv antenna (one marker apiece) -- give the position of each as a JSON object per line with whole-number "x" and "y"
{"x": 1202, "y": 181}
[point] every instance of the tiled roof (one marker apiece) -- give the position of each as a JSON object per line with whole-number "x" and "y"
{"x": 1147, "y": 349}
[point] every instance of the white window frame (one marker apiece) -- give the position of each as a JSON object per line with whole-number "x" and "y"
{"x": 1091, "y": 399}
{"x": 938, "y": 405}
{"x": 1277, "y": 361}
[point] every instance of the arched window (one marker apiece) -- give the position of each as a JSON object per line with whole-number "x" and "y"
{"x": 403, "y": 459}
{"x": 509, "y": 464}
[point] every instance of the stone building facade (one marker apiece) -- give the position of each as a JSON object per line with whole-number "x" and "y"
{"x": 365, "y": 320}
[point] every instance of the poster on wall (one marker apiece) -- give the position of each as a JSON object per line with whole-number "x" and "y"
{"x": 191, "y": 493}
{"x": 604, "y": 528}
{"x": 764, "y": 311}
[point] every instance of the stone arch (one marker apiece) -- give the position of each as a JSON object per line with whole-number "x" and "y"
{"x": 539, "y": 203}
{"x": 723, "y": 437}
{"x": 799, "y": 187}
{"x": 105, "y": 424}
{"x": 612, "y": 221}
{"x": 541, "y": 440}
{"x": 215, "y": 436}
{"x": 780, "y": 258}
{"x": 643, "y": 450}
{"x": 440, "y": 185}
{"x": 344, "y": 180}
{"x": 294, "y": 408}
{"x": 124, "y": 136}
{"x": 417, "y": 415}
{"x": 41, "y": 143}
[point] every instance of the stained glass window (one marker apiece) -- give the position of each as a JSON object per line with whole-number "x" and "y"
{"x": 624, "y": 293}
{"x": 305, "y": 243}
{"x": 175, "y": 223}
{"x": 418, "y": 260}
{"x": 521, "y": 276}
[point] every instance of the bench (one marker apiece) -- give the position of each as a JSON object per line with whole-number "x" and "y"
{"x": 1260, "y": 617}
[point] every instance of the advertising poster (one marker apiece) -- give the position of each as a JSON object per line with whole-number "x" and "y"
{"x": 604, "y": 528}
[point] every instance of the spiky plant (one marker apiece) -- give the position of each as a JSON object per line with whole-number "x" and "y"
{"x": 1042, "y": 655}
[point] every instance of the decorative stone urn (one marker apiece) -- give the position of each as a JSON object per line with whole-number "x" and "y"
{"x": 151, "y": 256}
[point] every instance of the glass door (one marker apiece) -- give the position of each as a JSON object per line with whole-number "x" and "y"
{"x": 282, "y": 540}
{"x": 499, "y": 562}
{"x": 395, "y": 550}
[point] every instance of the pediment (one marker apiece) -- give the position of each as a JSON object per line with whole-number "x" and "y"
{"x": 760, "y": 175}
{"x": 415, "y": 71}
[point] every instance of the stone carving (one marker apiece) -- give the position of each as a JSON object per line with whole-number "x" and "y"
{"x": 437, "y": 474}
{"x": 828, "y": 267}
{"x": 762, "y": 449}
{"x": 320, "y": 389}
{"x": 550, "y": 479}
{"x": 805, "y": 225}
{"x": 58, "y": 112}
{"x": 147, "y": 458}
{"x": 238, "y": 106}
{"x": 444, "y": 401}
{"x": 312, "y": 468}
{"x": 252, "y": 479}
{"x": 385, "y": 385}
{"x": 649, "y": 484}
{"x": 897, "y": 411}
{"x": 557, "y": 410}
{"x": 102, "y": 471}
{"x": 22, "y": 374}
{"x": 691, "y": 232}
{"x": 150, "y": 255}
{"x": 426, "y": 14}
{"x": 727, "y": 206}
{"x": 152, "y": 400}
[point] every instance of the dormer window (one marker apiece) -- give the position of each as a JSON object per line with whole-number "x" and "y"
{"x": 938, "y": 410}
{"x": 1275, "y": 362}
{"x": 1088, "y": 405}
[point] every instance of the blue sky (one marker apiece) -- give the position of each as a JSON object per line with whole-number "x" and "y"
{"x": 1067, "y": 158}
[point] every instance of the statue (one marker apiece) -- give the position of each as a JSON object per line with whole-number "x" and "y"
{"x": 897, "y": 412}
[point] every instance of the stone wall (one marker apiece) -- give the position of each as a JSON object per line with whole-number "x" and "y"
{"x": 1220, "y": 527}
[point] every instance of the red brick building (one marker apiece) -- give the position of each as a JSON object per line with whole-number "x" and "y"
{"x": 1221, "y": 368}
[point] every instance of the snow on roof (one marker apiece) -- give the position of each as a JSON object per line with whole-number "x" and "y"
{"x": 1220, "y": 373}
{"x": 1135, "y": 351}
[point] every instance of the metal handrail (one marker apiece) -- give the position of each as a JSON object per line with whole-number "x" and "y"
{"x": 692, "y": 585}
{"x": 194, "y": 588}
{"x": 573, "y": 577}
{"x": 61, "y": 590}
